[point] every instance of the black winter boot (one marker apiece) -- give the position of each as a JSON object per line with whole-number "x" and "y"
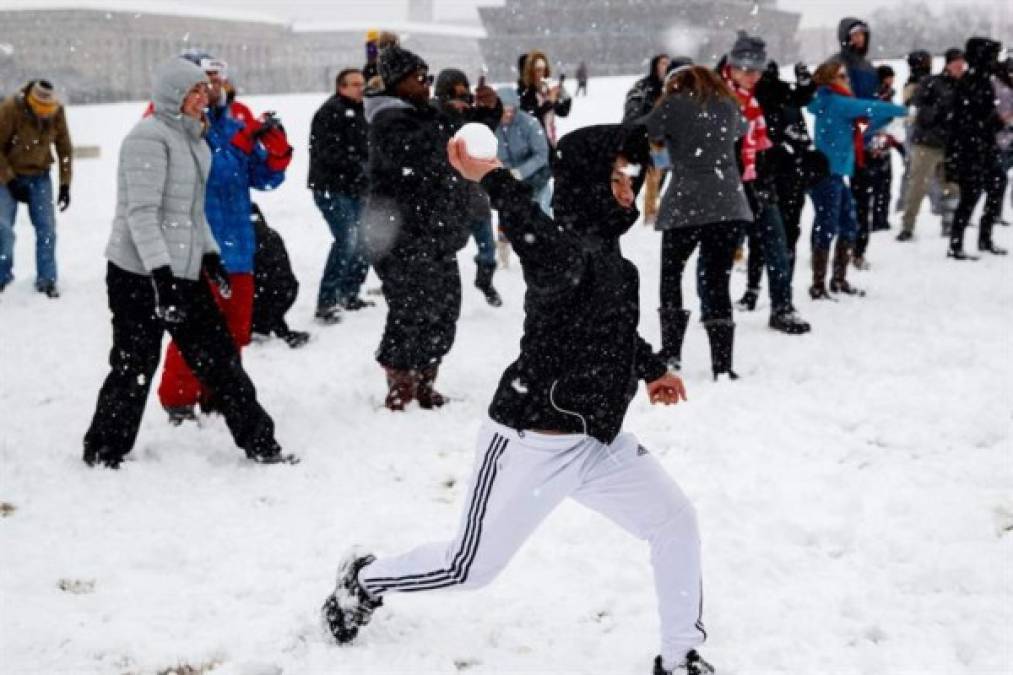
{"x": 349, "y": 606}
{"x": 673, "y": 330}
{"x": 839, "y": 280}
{"x": 483, "y": 282}
{"x": 821, "y": 259}
{"x": 721, "y": 334}
{"x": 693, "y": 665}
{"x": 103, "y": 456}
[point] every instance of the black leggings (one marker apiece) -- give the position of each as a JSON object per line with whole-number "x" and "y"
{"x": 717, "y": 242}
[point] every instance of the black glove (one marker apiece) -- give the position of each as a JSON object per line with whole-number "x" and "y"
{"x": 214, "y": 270}
{"x": 803, "y": 77}
{"x": 63, "y": 201}
{"x": 268, "y": 121}
{"x": 18, "y": 192}
{"x": 168, "y": 296}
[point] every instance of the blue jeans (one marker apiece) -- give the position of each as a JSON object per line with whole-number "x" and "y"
{"x": 481, "y": 230}
{"x": 766, "y": 237}
{"x": 346, "y": 266}
{"x": 835, "y": 213}
{"x": 40, "y": 210}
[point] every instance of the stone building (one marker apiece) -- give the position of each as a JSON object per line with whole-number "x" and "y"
{"x": 93, "y": 54}
{"x": 617, "y": 38}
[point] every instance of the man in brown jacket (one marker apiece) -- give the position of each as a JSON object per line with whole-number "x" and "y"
{"x": 31, "y": 121}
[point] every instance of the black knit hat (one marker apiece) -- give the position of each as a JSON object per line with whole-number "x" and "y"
{"x": 749, "y": 52}
{"x": 396, "y": 63}
{"x": 953, "y": 54}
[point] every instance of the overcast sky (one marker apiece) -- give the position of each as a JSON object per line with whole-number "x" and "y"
{"x": 814, "y": 12}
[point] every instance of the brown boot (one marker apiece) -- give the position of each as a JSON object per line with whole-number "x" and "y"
{"x": 426, "y": 395}
{"x": 400, "y": 388}
{"x": 818, "y": 291}
{"x": 839, "y": 282}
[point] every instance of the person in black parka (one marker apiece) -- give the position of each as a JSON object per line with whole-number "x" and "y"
{"x": 415, "y": 224}
{"x": 972, "y": 151}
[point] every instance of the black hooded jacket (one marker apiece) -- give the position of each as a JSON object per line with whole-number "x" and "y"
{"x": 971, "y": 147}
{"x": 417, "y": 201}
{"x": 581, "y": 355}
{"x": 644, "y": 93}
{"x": 793, "y": 155}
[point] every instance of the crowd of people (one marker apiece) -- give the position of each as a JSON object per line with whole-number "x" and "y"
{"x": 725, "y": 157}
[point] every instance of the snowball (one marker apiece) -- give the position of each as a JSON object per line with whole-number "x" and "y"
{"x": 479, "y": 141}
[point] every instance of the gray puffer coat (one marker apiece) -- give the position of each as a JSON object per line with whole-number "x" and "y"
{"x": 161, "y": 180}
{"x": 706, "y": 186}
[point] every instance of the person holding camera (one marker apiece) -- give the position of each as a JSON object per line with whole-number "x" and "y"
{"x": 246, "y": 153}
{"x": 539, "y": 97}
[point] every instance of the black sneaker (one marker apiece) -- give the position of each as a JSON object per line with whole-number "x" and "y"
{"x": 328, "y": 315}
{"x": 349, "y": 606}
{"x": 958, "y": 254}
{"x": 102, "y": 457}
{"x": 989, "y": 247}
{"x": 748, "y": 300}
{"x": 491, "y": 296}
{"x": 296, "y": 338}
{"x": 358, "y": 303}
{"x": 48, "y": 288}
{"x": 789, "y": 322}
{"x": 905, "y": 236}
{"x": 693, "y": 665}
{"x": 272, "y": 454}
{"x": 179, "y": 414}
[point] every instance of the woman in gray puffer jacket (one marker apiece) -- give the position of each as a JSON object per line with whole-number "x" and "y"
{"x": 160, "y": 247}
{"x": 698, "y": 120}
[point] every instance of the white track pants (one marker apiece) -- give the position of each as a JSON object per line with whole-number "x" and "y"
{"x": 519, "y": 478}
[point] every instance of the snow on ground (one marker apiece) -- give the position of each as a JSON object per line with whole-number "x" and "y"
{"x": 854, "y": 488}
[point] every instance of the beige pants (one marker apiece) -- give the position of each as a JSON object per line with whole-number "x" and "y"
{"x": 927, "y": 162}
{"x": 652, "y": 185}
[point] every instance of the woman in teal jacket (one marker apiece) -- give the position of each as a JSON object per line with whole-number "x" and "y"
{"x": 840, "y": 118}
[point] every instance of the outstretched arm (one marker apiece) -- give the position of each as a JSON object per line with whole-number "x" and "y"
{"x": 550, "y": 256}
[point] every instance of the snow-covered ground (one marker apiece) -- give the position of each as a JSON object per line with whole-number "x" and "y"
{"x": 855, "y": 488}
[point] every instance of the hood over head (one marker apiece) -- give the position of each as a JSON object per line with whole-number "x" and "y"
{"x": 982, "y": 54}
{"x": 171, "y": 82}
{"x": 508, "y": 97}
{"x": 652, "y": 69}
{"x": 583, "y": 201}
{"x": 447, "y": 80}
{"x": 846, "y": 27}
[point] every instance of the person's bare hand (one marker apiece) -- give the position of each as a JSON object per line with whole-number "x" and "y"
{"x": 667, "y": 389}
{"x": 466, "y": 165}
{"x": 554, "y": 93}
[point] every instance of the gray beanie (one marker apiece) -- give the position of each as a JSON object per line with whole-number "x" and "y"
{"x": 749, "y": 52}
